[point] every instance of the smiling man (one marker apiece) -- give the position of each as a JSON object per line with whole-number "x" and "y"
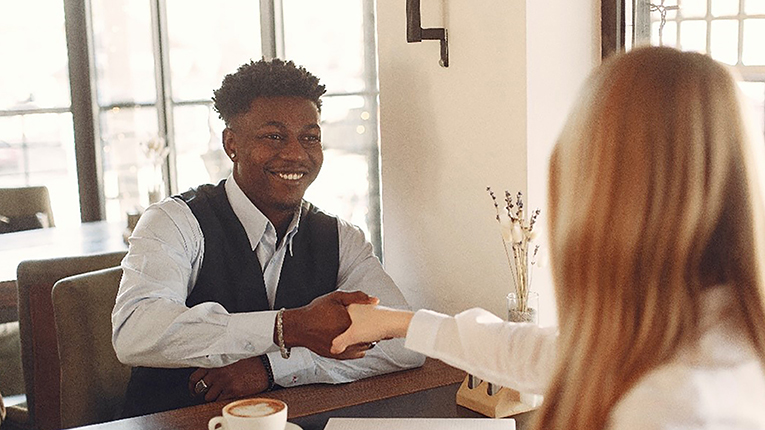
{"x": 237, "y": 288}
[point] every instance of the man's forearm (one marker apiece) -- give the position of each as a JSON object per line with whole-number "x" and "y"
{"x": 304, "y": 367}
{"x": 171, "y": 335}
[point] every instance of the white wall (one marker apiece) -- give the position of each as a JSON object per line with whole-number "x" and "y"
{"x": 447, "y": 133}
{"x": 563, "y": 46}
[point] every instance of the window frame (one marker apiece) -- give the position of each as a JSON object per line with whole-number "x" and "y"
{"x": 612, "y": 27}
{"x": 642, "y": 19}
{"x": 83, "y": 107}
{"x": 615, "y": 29}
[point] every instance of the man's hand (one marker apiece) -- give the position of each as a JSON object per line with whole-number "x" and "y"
{"x": 315, "y": 325}
{"x": 246, "y": 377}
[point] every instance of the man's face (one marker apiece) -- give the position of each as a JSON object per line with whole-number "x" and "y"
{"x": 278, "y": 153}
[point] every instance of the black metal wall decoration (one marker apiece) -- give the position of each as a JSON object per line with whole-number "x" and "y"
{"x": 415, "y": 32}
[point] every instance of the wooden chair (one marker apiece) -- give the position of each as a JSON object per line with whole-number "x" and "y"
{"x": 25, "y": 208}
{"x": 93, "y": 381}
{"x": 39, "y": 347}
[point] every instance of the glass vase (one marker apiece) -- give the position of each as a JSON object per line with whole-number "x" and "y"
{"x": 523, "y": 310}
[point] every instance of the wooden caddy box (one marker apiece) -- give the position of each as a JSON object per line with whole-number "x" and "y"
{"x": 504, "y": 403}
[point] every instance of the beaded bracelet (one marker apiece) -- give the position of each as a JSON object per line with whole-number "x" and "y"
{"x": 280, "y": 334}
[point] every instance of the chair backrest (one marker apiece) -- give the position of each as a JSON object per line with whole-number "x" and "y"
{"x": 9, "y": 302}
{"x": 39, "y": 347}
{"x": 93, "y": 381}
{"x": 17, "y": 204}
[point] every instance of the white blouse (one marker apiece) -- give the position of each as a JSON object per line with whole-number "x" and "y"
{"x": 715, "y": 382}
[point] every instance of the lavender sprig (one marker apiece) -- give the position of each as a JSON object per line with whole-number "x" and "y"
{"x": 517, "y": 234}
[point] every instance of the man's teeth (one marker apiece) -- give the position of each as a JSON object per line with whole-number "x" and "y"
{"x": 290, "y": 176}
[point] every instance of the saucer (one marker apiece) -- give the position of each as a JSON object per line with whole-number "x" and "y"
{"x": 292, "y": 426}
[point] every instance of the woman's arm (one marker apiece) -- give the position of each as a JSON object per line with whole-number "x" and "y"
{"x": 520, "y": 356}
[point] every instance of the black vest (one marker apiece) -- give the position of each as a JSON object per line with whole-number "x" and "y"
{"x": 231, "y": 275}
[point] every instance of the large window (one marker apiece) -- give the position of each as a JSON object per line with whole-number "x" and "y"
{"x": 36, "y": 138}
{"x": 146, "y": 75}
{"x": 157, "y": 63}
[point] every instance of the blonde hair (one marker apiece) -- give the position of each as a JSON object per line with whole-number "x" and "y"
{"x": 655, "y": 196}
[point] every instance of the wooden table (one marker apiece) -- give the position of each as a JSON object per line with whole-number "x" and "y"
{"x": 436, "y": 402}
{"x": 86, "y": 238}
{"x": 427, "y": 392}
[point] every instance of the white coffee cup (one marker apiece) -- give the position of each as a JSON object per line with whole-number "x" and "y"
{"x": 251, "y": 414}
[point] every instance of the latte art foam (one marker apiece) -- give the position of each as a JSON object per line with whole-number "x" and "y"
{"x": 255, "y": 409}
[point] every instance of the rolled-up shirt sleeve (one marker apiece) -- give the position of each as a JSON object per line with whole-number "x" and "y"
{"x": 359, "y": 269}
{"x": 151, "y": 324}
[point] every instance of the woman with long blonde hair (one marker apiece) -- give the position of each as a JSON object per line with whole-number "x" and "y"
{"x": 657, "y": 223}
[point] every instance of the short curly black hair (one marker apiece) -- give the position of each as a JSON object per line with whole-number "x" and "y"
{"x": 264, "y": 78}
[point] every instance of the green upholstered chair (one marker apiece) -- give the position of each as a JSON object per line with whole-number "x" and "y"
{"x": 93, "y": 381}
{"x": 37, "y": 330}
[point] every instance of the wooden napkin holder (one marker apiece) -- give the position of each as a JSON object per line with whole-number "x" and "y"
{"x": 504, "y": 403}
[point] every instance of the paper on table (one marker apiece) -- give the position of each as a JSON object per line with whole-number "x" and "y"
{"x": 419, "y": 424}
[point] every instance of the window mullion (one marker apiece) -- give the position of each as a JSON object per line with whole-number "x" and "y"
{"x": 740, "y": 33}
{"x": 374, "y": 212}
{"x": 272, "y": 29}
{"x": 164, "y": 91}
{"x": 612, "y": 26}
{"x": 708, "y": 19}
{"x": 79, "y": 45}
{"x": 641, "y": 23}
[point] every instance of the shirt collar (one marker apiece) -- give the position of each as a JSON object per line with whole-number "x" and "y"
{"x": 252, "y": 219}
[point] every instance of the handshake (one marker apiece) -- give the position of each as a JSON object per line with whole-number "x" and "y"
{"x": 342, "y": 325}
{"x": 339, "y": 325}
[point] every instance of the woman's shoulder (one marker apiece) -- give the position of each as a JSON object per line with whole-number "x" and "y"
{"x": 688, "y": 394}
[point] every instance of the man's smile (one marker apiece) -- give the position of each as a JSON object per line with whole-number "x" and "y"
{"x": 290, "y": 176}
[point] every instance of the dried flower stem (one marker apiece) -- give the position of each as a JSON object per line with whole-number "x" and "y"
{"x": 501, "y": 236}
{"x": 519, "y": 238}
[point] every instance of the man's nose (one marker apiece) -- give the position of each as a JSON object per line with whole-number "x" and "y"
{"x": 293, "y": 150}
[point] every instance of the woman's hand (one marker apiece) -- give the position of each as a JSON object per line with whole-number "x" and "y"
{"x": 370, "y": 323}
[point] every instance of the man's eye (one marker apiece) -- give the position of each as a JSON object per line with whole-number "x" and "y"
{"x": 272, "y": 136}
{"x": 312, "y": 138}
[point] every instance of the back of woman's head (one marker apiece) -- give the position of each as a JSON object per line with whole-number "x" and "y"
{"x": 654, "y": 198}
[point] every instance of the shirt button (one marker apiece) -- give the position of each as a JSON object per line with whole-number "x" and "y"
{"x": 248, "y": 346}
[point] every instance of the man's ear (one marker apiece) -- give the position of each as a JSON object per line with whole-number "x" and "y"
{"x": 229, "y": 142}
